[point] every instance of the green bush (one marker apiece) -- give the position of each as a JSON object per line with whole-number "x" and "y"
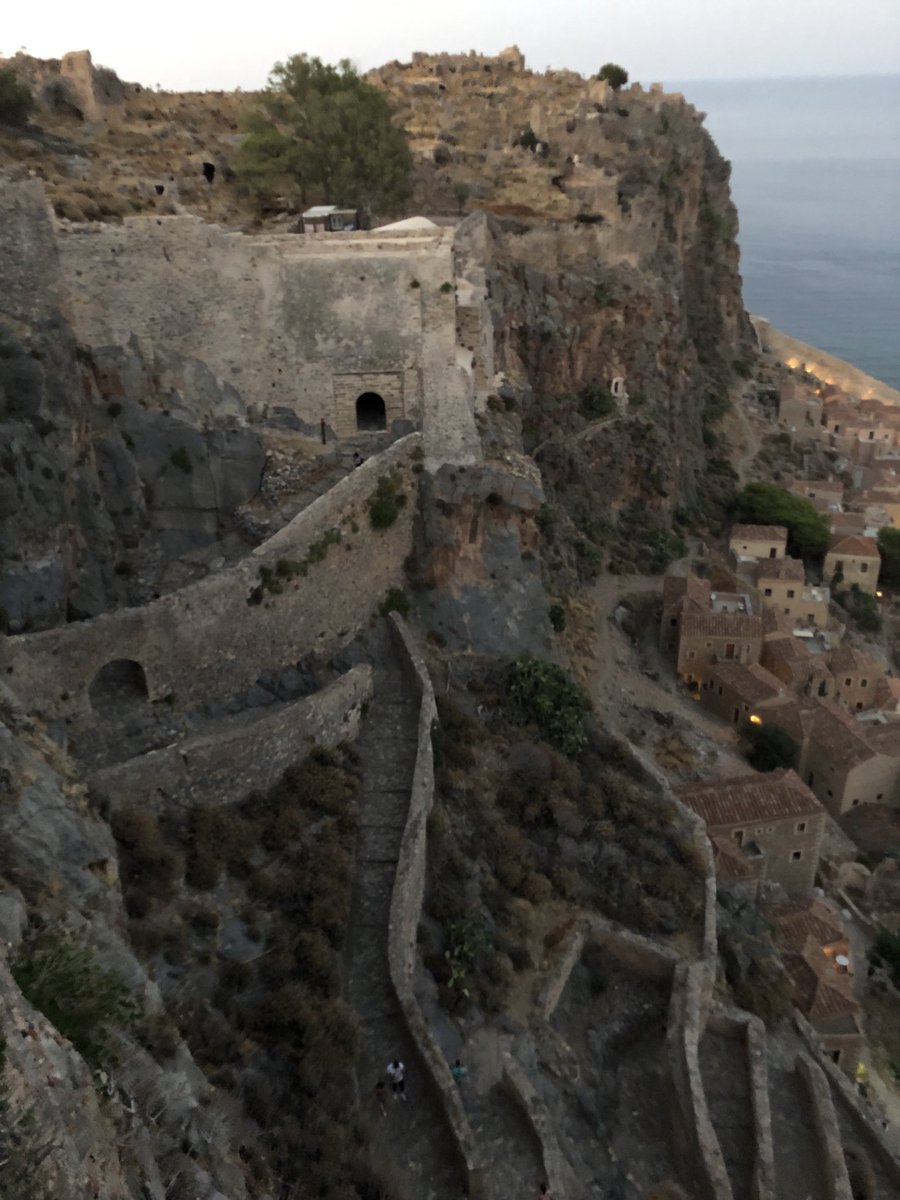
{"x": 16, "y": 100}
{"x": 861, "y": 606}
{"x": 395, "y": 601}
{"x": 766, "y": 504}
{"x": 770, "y": 747}
{"x": 614, "y": 75}
{"x": 543, "y": 694}
{"x": 385, "y": 503}
{"x": 557, "y": 616}
{"x": 595, "y": 402}
{"x": 63, "y": 980}
{"x": 885, "y": 952}
{"x": 889, "y": 549}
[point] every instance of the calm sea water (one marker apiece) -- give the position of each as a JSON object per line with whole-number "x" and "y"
{"x": 816, "y": 180}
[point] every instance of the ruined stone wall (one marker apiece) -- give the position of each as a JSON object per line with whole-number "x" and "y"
{"x": 406, "y": 910}
{"x": 207, "y": 641}
{"x": 276, "y": 317}
{"x": 240, "y": 756}
{"x": 828, "y": 368}
{"x": 29, "y": 263}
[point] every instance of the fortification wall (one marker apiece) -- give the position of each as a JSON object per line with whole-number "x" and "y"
{"x": 239, "y": 756}
{"x": 279, "y": 318}
{"x": 406, "y": 908}
{"x": 828, "y": 368}
{"x": 207, "y": 641}
{"x": 29, "y": 263}
{"x": 828, "y": 1134}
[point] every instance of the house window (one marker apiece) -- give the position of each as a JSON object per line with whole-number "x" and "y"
{"x": 879, "y": 796}
{"x": 673, "y": 621}
{"x": 709, "y": 645}
{"x": 787, "y": 612}
{"x": 863, "y": 568}
{"x": 768, "y": 592}
{"x": 858, "y": 705}
{"x": 738, "y": 835}
{"x": 829, "y": 792}
{"x": 729, "y": 650}
{"x": 871, "y": 434}
{"x": 801, "y": 827}
{"x": 796, "y": 855}
{"x": 690, "y": 654}
{"x": 854, "y": 803}
{"x": 809, "y": 779}
{"x": 721, "y": 689}
{"x": 835, "y": 1056}
{"x": 791, "y": 593}
{"x": 810, "y": 617}
{"x": 863, "y": 683}
{"x": 848, "y": 682}
{"x": 837, "y": 429}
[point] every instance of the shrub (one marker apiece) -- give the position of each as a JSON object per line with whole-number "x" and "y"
{"x": 395, "y": 601}
{"x": 614, "y": 75}
{"x": 885, "y": 952}
{"x": 770, "y": 747}
{"x": 16, "y": 100}
{"x": 527, "y": 139}
{"x": 385, "y": 503}
{"x": 595, "y": 402}
{"x": 766, "y": 504}
{"x": 63, "y": 980}
{"x": 557, "y": 616}
{"x": 544, "y": 694}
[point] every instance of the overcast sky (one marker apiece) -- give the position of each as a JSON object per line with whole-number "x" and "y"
{"x": 185, "y": 44}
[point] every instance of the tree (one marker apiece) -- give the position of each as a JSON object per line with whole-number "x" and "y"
{"x": 614, "y": 75}
{"x": 319, "y": 132}
{"x": 889, "y": 549}
{"x": 16, "y": 101}
{"x": 766, "y": 504}
{"x": 770, "y": 747}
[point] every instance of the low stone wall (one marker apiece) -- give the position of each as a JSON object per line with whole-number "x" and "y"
{"x": 882, "y": 1145}
{"x": 828, "y": 1134}
{"x": 406, "y": 908}
{"x": 694, "y": 1139}
{"x": 240, "y": 756}
{"x": 525, "y": 1096}
{"x": 744, "y": 1027}
{"x": 827, "y": 367}
{"x": 206, "y": 641}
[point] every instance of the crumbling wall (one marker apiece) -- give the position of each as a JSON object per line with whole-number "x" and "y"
{"x": 240, "y": 757}
{"x": 211, "y": 640}
{"x": 828, "y": 1134}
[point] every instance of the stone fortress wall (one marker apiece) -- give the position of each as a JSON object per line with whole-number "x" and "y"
{"x": 207, "y": 641}
{"x": 303, "y": 322}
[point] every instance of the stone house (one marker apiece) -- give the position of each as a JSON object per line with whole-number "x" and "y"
{"x": 758, "y": 541}
{"x": 782, "y": 585}
{"x": 854, "y": 560}
{"x": 887, "y": 499}
{"x": 799, "y": 408}
{"x": 706, "y": 638}
{"x": 816, "y": 955}
{"x": 790, "y": 660}
{"x": 825, "y": 495}
{"x": 847, "y": 524}
{"x": 736, "y": 692}
{"x": 681, "y": 594}
{"x": 776, "y": 812}
{"x": 856, "y": 678}
{"x": 328, "y": 218}
{"x": 844, "y": 764}
{"x": 741, "y": 868}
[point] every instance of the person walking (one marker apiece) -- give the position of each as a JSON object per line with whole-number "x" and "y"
{"x": 458, "y": 1071}
{"x": 396, "y": 1073}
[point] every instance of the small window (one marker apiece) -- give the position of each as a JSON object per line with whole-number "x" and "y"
{"x": 673, "y": 621}
{"x": 848, "y": 682}
{"x": 880, "y": 796}
{"x": 729, "y": 650}
{"x": 738, "y": 835}
{"x": 863, "y": 568}
{"x": 768, "y": 592}
{"x": 854, "y": 803}
{"x": 809, "y": 779}
{"x": 721, "y": 690}
{"x": 871, "y": 434}
{"x": 801, "y": 827}
{"x": 787, "y": 612}
{"x": 859, "y": 705}
{"x": 791, "y": 593}
{"x": 691, "y": 654}
{"x": 810, "y": 617}
{"x": 796, "y": 855}
{"x": 770, "y": 829}
{"x": 863, "y": 683}
{"x": 709, "y": 645}
{"x": 829, "y": 792}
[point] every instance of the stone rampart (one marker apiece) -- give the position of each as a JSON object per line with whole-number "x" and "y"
{"x": 751, "y": 1033}
{"x": 240, "y": 756}
{"x": 209, "y": 640}
{"x": 29, "y": 262}
{"x": 694, "y": 1138}
{"x": 278, "y": 318}
{"x": 525, "y": 1096}
{"x": 828, "y": 1134}
{"x": 406, "y": 908}
{"x": 827, "y": 367}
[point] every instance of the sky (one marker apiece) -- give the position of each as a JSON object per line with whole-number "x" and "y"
{"x": 188, "y": 45}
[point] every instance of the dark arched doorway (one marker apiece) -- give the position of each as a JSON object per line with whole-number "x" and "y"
{"x": 370, "y": 413}
{"x": 120, "y": 682}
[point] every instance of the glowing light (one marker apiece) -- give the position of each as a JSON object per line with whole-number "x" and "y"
{"x": 879, "y": 594}
{"x": 755, "y": 719}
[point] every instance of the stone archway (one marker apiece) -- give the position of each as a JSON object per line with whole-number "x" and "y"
{"x": 120, "y": 682}
{"x": 371, "y": 414}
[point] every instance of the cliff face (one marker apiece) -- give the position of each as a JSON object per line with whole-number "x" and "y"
{"x": 107, "y": 481}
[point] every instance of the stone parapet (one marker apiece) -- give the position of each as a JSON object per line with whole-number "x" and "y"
{"x": 240, "y": 756}
{"x": 406, "y": 908}
{"x": 525, "y": 1096}
{"x": 828, "y": 1134}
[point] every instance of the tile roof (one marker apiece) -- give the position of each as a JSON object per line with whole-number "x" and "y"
{"x": 758, "y": 533}
{"x": 844, "y": 659}
{"x": 820, "y": 992}
{"x": 854, "y": 546}
{"x": 747, "y": 798}
{"x": 781, "y": 568}
{"x": 752, "y": 683}
{"x": 729, "y": 861}
{"x": 838, "y": 734}
{"x": 796, "y": 923}
{"x": 884, "y": 738}
{"x": 687, "y": 589}
{"x": 723, "y": 624}
{"x": 775, "y": 622}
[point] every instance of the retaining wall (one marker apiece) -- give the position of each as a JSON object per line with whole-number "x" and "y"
{"x": 406, "y": 907}
{"x": 206, "y": 641}
{"x": 240, "y": 756}
{"x": 524, "y": 1094}
{"x": 828, "y": 1134}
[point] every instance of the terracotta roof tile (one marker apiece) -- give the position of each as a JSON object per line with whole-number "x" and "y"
{"x": 781, "y": 568}
{"x": 854, "y": 546}
{"x": 753, "y": 683}
{"x": 797, "y": 923}
{"x": 758, "y": 533}
{"x": 725, "y": 624}
{"x": 748, "y": 798}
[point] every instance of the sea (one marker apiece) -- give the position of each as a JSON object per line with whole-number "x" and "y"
{"x": 816, "y": 180}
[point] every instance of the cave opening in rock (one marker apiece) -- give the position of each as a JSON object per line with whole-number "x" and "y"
{"x": 119, "y": 682}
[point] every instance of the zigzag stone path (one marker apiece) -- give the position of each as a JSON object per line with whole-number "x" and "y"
{"x": 413, "y": 1141}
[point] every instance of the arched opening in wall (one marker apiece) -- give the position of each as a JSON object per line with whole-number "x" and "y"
{"x": 121, "y": 682}
{"x": 370, "y": 413}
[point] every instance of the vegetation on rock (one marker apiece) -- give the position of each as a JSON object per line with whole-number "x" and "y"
{"x": 889, "y": 548}
{"x": 543, "y": 694}
{"x": 320, "y": 133}
{"x": 614, "y": 75}
{"x": 16, "y": 100}
{"x": 770, "y": 747}
{"x": 767, "y": 504}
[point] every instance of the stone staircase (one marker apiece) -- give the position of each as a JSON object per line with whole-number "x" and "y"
{"x": 413, "y": 1147}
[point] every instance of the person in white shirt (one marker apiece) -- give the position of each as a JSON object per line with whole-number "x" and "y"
{"x": 396, "y": 1073}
